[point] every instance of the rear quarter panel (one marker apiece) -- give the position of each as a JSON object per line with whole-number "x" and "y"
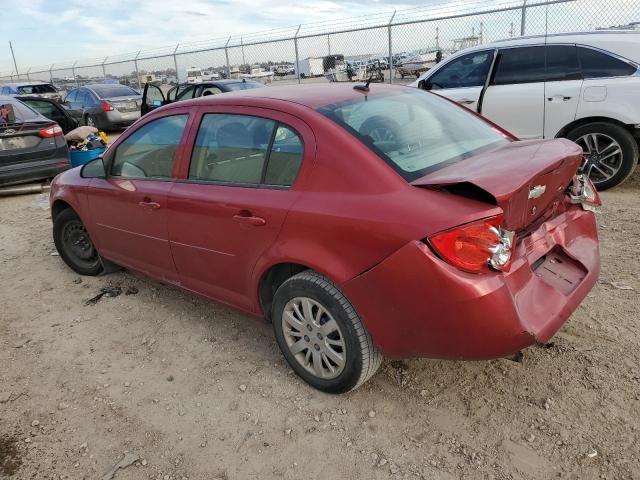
{"x": 617, "y": 98}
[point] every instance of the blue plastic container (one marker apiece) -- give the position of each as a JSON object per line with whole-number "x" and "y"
{"x": 80, "y": 157}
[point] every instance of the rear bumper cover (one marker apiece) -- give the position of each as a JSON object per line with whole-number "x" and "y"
{"x": 416, "y": 305}
{"x": 34, "y": 171}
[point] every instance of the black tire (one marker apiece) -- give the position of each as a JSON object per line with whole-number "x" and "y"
{"x": 74, "y": 244}
{"x": 361, "y": 358}
{"x": 628, "y": 146}
{"x": 90, "y": 121}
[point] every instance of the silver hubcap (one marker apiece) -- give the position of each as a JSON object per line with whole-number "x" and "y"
{"x": 314, "y": 337}
{"x": 90, "y": 122}
{"x": 603, "y": 156}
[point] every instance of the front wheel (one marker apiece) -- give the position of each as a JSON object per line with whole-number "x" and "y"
{"x": 610, "y": 151}
{"x": 321, "y": 335}
{"x": 74, "y": 244}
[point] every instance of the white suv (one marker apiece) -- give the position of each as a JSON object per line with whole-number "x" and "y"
{"x": 582, "y": 86}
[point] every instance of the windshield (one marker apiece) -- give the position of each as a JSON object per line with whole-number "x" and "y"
{"x": 415, "y": 132}
{"x": 243, "y": 86}
{"x": 110, "y": 91}
{"x": 37, "y": 89}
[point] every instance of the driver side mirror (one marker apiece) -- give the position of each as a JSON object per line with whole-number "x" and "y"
{"x": 94, "y": 169}
{"x": 425, "y": 84}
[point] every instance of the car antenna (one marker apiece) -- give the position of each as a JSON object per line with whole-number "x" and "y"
{"x": 365, "y": 87}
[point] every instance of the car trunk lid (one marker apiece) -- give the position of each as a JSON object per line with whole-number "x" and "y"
{"x": 22, "y": 143}
{"x": 125, "y": 104}
{"x": 526, "y": 179}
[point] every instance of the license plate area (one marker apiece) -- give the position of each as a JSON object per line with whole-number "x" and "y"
{"x": 560, "y": 271}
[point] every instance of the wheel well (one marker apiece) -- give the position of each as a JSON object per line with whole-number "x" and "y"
{"x": 57, "y": 208}
{"x": 272, "y": 279}
{"x": 583, "y": 121}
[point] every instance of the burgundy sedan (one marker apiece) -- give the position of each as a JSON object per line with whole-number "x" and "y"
{"x": 361, "y": 222}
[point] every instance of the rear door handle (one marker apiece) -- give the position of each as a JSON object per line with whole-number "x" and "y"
{"x": 250, "y": 220}
{"x": 149, "y": 204}
{"x": 466, "y": 101}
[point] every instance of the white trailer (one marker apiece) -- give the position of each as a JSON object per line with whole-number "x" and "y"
{"x": 310, "y": 67}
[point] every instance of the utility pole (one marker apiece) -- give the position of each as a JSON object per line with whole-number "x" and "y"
{"x": 14, "y": 59}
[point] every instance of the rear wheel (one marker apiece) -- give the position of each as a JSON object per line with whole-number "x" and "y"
{"x": 90, "y": 121}
{"x": 611, "y": 152}
{"x": 320, "y": 334}
{"x": 74, "y": 244}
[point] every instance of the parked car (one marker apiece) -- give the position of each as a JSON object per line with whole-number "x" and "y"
{"x": 106, "y": 106}
{"x": 32, "y": 147}
{"x": 67, "y": 119}
{"x": 153, "y": 96}
{"x": 33, "y": 89}
{"x": 360, "y": 221}
{"x": 582, "y": 86}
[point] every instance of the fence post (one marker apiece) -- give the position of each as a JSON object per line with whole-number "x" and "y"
{"x": 175, "y": 63}
{"x": 295, "y": 44}
{"x": 135, "y": 63}
{"x": 51, "y": 72}
{"x": 391, "y": 69}
{"x": 329, "y": 43}
{"x": 226, "y": 54}
{"x": 523, "y": 17}
{"x": 28, "y": 74}
{"x": 104, "y": 71}
{"x": 73, "y": 72}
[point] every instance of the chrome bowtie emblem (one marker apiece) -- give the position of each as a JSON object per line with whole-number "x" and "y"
{"x": 537, "y": 191}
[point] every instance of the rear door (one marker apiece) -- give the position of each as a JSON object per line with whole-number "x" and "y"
{"x": 463, "y": 78}
{"x": 514, "y": 98}
{"x": 129, "y": 207}
{"x": 237, "y": 189}
{"x": 562, "y": 88}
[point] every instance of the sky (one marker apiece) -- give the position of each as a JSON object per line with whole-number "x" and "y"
{"x": 45, "y": 32}
{"x": 48, "y": 31}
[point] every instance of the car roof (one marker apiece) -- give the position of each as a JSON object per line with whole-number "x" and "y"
{"x": 310, "y": 95}
{"x": 22, "y": 84}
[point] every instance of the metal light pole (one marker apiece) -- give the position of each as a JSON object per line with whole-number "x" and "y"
{"x": 14, "y": 59}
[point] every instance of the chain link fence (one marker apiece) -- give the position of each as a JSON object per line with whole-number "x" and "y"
{"x": 385, "y": 47}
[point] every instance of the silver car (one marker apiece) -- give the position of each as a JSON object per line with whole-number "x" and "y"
{"x": 106, "y": 106}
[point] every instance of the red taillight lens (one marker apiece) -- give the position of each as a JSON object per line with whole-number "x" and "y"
{"x": 52, "y": 131}
{"x": 476, "y": 246}
{"x": 106, "y": 106}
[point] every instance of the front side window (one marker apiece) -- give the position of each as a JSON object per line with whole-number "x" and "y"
{"x": 150, "y": 151}
{"x": 520, "y": 65}
{"x": 245, "y": 150}
{"x": 595, "y": 64}
{"x": 413, "y": 131}
{"x": 467, "y": 71}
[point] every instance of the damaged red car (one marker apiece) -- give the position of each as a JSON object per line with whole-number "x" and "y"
{"x": 361, "y": 222}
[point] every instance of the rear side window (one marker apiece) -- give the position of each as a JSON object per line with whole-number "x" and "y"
{"x": 597, "y": 64}
{"x": 562, "y": 63}
{"x": 245, "y": 150}
{"x": 467, "y": 71}
{"x": 150, "y": 151}
{"x": 520, "y": 65}
{"x": 72, "y": 97}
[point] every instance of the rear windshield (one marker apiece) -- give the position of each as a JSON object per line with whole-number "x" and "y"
{"x": 37, "y": 89}
{"x": 110, "y": 91}
{"x": 415, "y": 132}
{"x": 243, "y": 85}
{"x": 13, "y": 112}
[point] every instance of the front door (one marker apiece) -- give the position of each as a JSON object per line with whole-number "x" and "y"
{"x": 130, "y": 206}
{"x": 152, "y": 98}
{"x": 514, "y": 98}
{"x": 462, "y": 79}
{"x": 230, "y": 208}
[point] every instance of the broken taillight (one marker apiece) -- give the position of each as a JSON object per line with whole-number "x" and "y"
{"x": 476, "y": 247}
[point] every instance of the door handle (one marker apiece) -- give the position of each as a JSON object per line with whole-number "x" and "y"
{"x": 466, "y": 101}
{"x": 250, "y": 220}
{"x": 149, "y": 204}
{"x": 557, "y": 98}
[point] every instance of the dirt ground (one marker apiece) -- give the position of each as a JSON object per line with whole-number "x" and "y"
{"x": 174, "y": 387}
